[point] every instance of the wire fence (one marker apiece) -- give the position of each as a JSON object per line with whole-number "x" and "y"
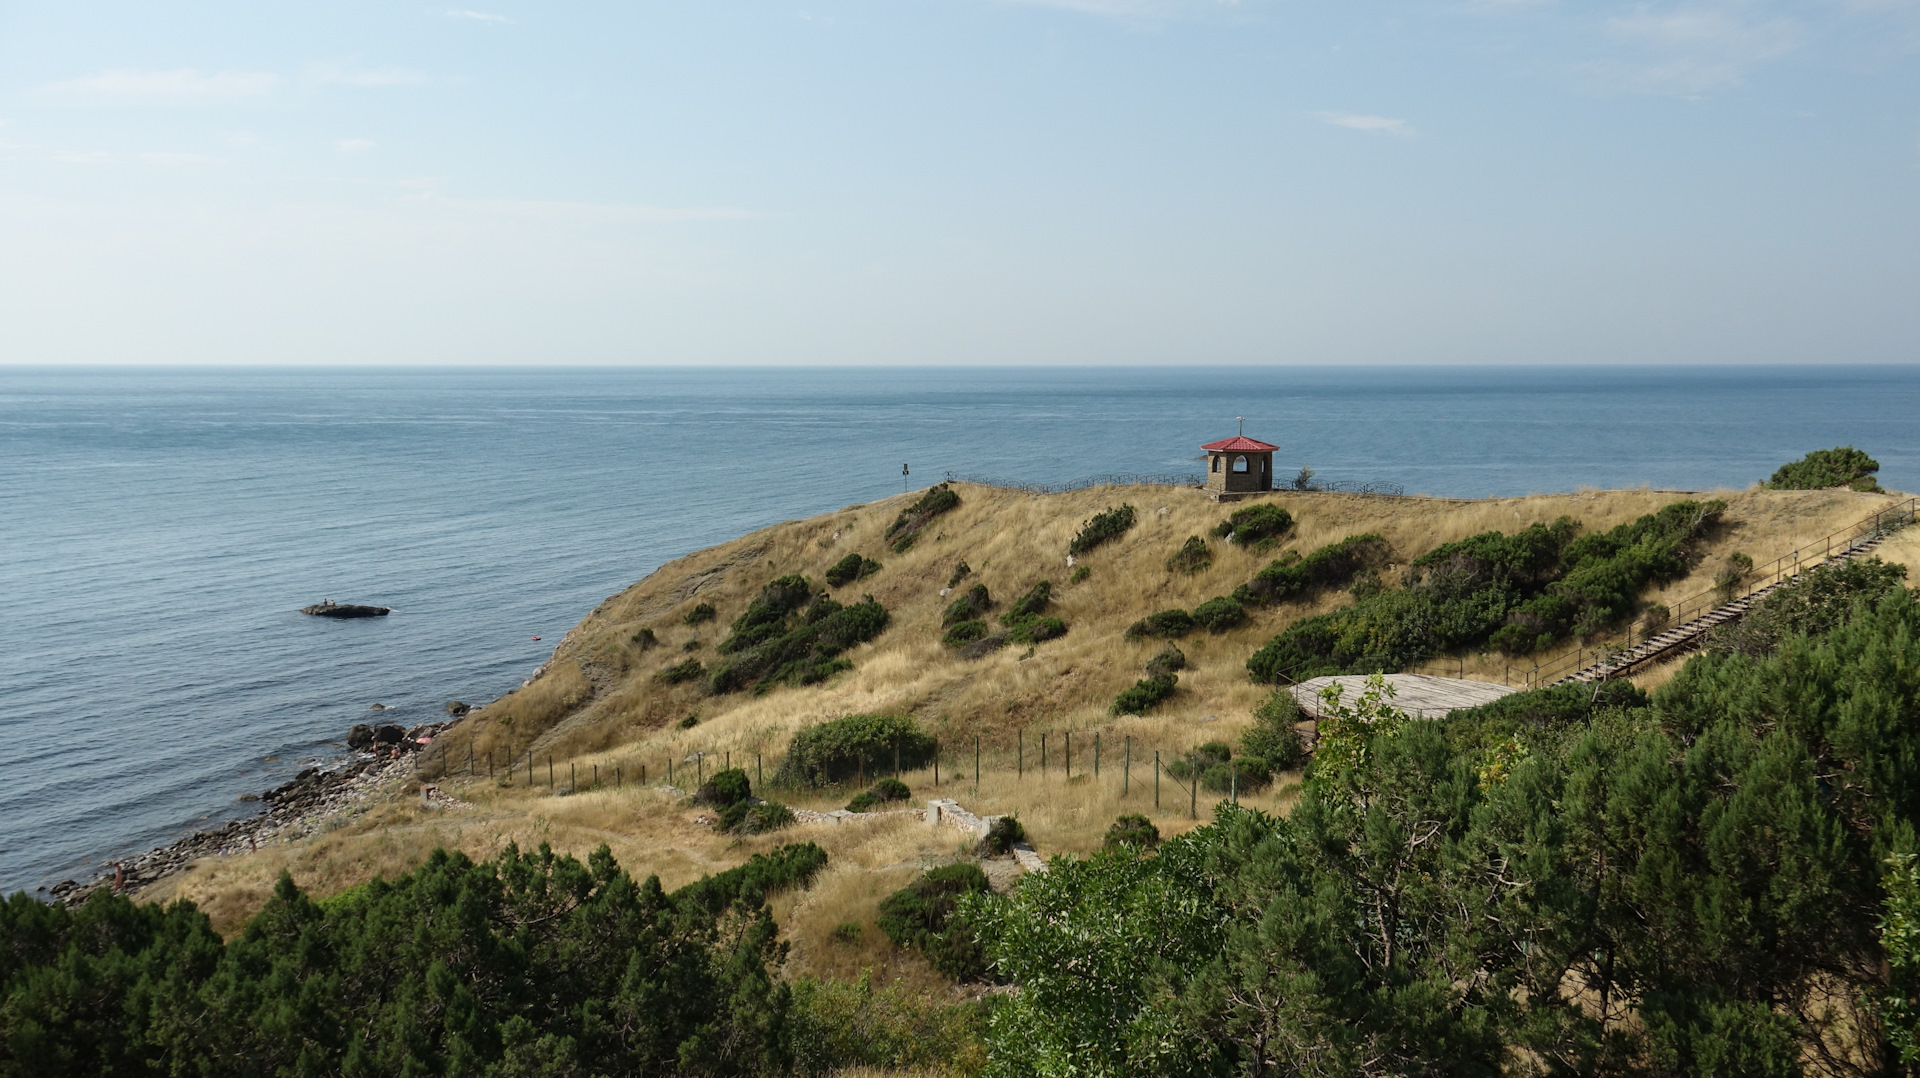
{"x": 1377, "y": 488}
{"x": 1165, "y": 779}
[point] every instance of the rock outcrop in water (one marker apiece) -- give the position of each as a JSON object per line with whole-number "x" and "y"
{"x": 331, "y": 609}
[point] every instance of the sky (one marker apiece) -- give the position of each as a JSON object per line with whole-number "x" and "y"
{"x": 960, "y": 182}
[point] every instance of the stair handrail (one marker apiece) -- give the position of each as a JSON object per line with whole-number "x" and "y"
{"x": 1693, "y": 607}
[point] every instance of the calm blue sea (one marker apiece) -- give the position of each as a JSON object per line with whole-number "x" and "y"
{"x": 160, "y": 529}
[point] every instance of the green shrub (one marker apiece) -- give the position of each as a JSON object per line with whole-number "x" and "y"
{"x": 755, "y": 817}
{"x": 701, "y": 612}
{"x": 1814, "y": 603}
{"x": 844, "y": 1027}
{"x": 645, "y": 640}
{"x": 880, "y": 793}
{"x": 690, "y": 670}
{"x": 1167, "y": 625}
{"x": 963, "y": 633}
{"x": 907, "y": 526}
{"x": 960, "y": 572}
{"x": 764, "y": 874}
{"x": 1133, "y": 830}
{"x": 1517, "y": 593}
{"x": 1254, "y": 523}
{"x": 1023, "y": 619}
{"x": 848, "y": 932}
{"x": 1199, "y": 760}
{"x": 1239, "y": 774}
{"x": 849, "y": 569}
{"x": 969, "y": 607}
{"x": 1367, "y": 584}
{"x": 1103, "y": 528}
{"x": 921, "y": 915}
{"x": 691, "y": 645}
{"x": 1841, "y": 466}
{"x": 1037, "y": 630}
{"x": 1273, "y": 737}
{"x": 1737, "y": 568}
{"x": 789, "y": 636}
{"x": 724, "y": 788}
{"x": 1164, "y": 664}
{"x": 1219, "y": 614}
{"x": 1146, "y": 694}
{"x": 531, "y": 962}
{"x": 1331, "y": 566}
{"x": 832, "y": 752}
{"x": 1033, "y": 602}
{"x": 1192, "y": 557}
{"x": 1001, "y": 836}
{"x": 1080, "y": 573}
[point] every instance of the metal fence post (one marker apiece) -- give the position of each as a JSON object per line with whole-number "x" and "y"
{"x": 1126, "y": 769}
{"x": 976, "y": 765}
{"x": 1096, "y": 755}
{"x": 1156, "y": 778}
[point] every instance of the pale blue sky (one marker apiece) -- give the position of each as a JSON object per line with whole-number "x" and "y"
{"x": 960, "y": 182}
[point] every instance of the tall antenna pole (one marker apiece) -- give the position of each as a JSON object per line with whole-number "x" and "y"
{"x": 1243, "y": 425}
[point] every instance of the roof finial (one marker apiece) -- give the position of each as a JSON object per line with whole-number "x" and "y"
{"x": 1243, "y": 425}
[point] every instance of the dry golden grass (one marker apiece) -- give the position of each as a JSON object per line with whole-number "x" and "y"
{"x": 596, "y": 703}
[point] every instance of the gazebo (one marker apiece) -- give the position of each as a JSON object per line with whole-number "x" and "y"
{"x": 1239, "y": 465}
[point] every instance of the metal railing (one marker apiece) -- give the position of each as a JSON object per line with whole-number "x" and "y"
{"x": 1834, "y": 546}
{"x": 1825, "y": 550}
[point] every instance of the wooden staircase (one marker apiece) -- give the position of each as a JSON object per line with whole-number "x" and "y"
{"x": 1692, "y": 634}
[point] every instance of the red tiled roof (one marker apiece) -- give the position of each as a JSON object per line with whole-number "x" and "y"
{"x": 1239, "y": 443}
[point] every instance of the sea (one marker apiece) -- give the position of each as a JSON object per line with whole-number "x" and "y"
{"x": 161, "y": 528}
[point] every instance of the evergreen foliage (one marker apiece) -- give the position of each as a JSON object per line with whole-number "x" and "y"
{"x": 833, "y": 752}
{"x": 687, "y": 670}
{"x": 1272, "y": 737}
{"x": 1725, "y": 871}
{"x": 1145, "y": 695}
{"x": 725, "y": 788}
{"x": 1024, "y": 621}
{"x": 921, "y": 915}
{"x": 969, "y": 607}
{"x": 907, "y": 526}
{"x": 1167, "y": 661}
{"x": 1517, "y": 592}
{"x": 1248, "y": 526}
{"x": 1192, "y": 557}
{"x": 1220, "y": 613}
{"x": 849, "y": 569}
{"x": 1167, "y": 625}
{"x": 1331, "y": 566}
{"x": 1002, "y": 833}
{"x": 527, "y": 964}
{"x": 840, "y": 1025}
{"x": 700, "y": 612}
{"x": 1841, "y": 466}
{"x": 1103, "y": 528}
{"x": 791, "y": 636}
{"x": 1132, "y": 830}
{"x": 879, "y": 794}
{"x": 1813, "y": 604}
{"x": 962, "y": 633}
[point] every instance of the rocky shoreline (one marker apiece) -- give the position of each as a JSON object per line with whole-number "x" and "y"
{"x": 379, "y": 756}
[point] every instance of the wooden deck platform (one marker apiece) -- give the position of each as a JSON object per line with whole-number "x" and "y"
{"x": 1422, "y": 695}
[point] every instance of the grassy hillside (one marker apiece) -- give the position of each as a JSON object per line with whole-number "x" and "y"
{"x": 598, "y": 702}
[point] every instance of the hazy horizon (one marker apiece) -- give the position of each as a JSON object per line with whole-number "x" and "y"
{"x": 992, "y": 183}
